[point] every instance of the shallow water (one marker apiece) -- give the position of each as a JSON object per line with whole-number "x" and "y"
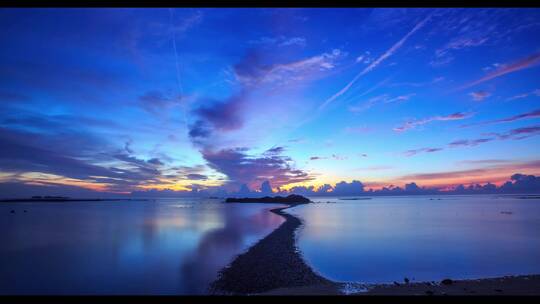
{"x": 170, "y": 246}
{"x": 388, "y": 238}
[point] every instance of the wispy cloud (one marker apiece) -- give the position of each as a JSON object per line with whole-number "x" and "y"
{"x": 251, "y": 72}
{"x": 514, "y": 134}
{"x": 421, "y": 150}
{"x": 469, "y": 143}
{"x": 479, "y": 95}
{"x": 443, "y": 56}
{"x": 279, "y": 41}
{"x": 385, "y": 98}
{"x": 414, "y": 123}
{"x": 528, "y": 115}
{"x": 418, "y": 84}
{"x": 518, "y": 65}
{"x": 524, "y": 95}
{"x": 375, "y": 63}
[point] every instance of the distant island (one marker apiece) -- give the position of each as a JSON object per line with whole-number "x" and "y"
{"x": 63, "y": 199}
{"x": 292, "y": 199}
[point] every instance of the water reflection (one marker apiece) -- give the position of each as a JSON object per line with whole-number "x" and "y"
{"x": 163, "y": 247}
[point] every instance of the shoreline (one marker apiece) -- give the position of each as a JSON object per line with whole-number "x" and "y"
{"x": 273, "y": 262}
{"x": 274, "y": 266}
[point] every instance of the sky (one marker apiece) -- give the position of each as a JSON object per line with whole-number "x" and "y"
{"x": 124, "y": 100}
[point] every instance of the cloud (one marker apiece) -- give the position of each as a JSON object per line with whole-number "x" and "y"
{"x": 339, "y": 157}
{"x": 274, "y": 151}
{"x": 217, "y": 116}
{"x": 469, "y": 143}
{"x": 254, "y": 76}
{"x": 484, "y": 161}
{"x": 519, "y": 133}
{"x": 479, "y": 95}
{"x": 417, "y": 151}
{"x": 524, "y": 95}
{"x": 518, "y": 65}
{"x": 375, "y": 63}
{"x": 241, "y": 168}
{"x": 280, "y": 41}
{"x": 195, "y": 176}
{"x": 442, "y": 55}
{"x": 414, "y": 123}
{"x": 23, "y": 153}
{"x": 156, "y": 102}
{"x": 300, "y": 41}
{"x": 385, "y": 98}
{"x": 514, "y": 134}
{"x": 418, "y": 84}
{"x": 252, "y": 72}
{"x": 365, "y": 58}
{"x": 528, "y": 115}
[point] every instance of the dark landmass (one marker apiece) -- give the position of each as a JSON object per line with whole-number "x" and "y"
{"x": 63, "y": 199}
{"x": 354, "y": 198}
{"x": 529, "y": 197}
{"x": 290, "y": 200}
{"x": 274, "y": 262}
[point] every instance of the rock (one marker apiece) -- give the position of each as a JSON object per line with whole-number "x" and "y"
{"x": 12, "y": 211}
{"x": 396, "y": 283}
{"x": 447, "y": 282}
{"x": 24, "y": 211}
{"x": 406, "y": 280}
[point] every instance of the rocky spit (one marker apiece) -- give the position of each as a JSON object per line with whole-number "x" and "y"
{"x": 274, "y": 262}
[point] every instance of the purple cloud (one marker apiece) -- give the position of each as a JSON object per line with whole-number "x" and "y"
{"x": 479, "y": 95}
{"x": 528, "y": 115}
{"x": 414, "y": 123}
{"x": 240, "y": 168}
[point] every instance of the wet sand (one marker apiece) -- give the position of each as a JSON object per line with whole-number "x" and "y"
{"x": 274, "y": 262}
{"x": 274, "y": 266}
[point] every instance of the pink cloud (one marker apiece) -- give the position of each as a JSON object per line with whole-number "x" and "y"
{"x": 521, "y": 64}
{"x": 480, "y": 95}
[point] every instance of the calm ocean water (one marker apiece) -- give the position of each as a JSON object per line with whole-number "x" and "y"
{"x": 171, "y": 246}
{"x": 388, "y": 238}
{"x": 177, "y": 246}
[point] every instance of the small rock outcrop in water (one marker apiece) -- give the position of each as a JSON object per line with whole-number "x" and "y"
{"x": 291, "y": 199}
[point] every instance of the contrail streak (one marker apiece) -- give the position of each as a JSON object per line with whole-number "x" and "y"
{"x": 178, "y": 78}
{"x": 375, "y": 63}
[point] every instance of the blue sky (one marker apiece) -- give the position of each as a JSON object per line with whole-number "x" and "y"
{"x": 129, "y": 99}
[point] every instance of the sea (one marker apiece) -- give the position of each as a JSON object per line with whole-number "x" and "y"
{"x": 177, "y": 246}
